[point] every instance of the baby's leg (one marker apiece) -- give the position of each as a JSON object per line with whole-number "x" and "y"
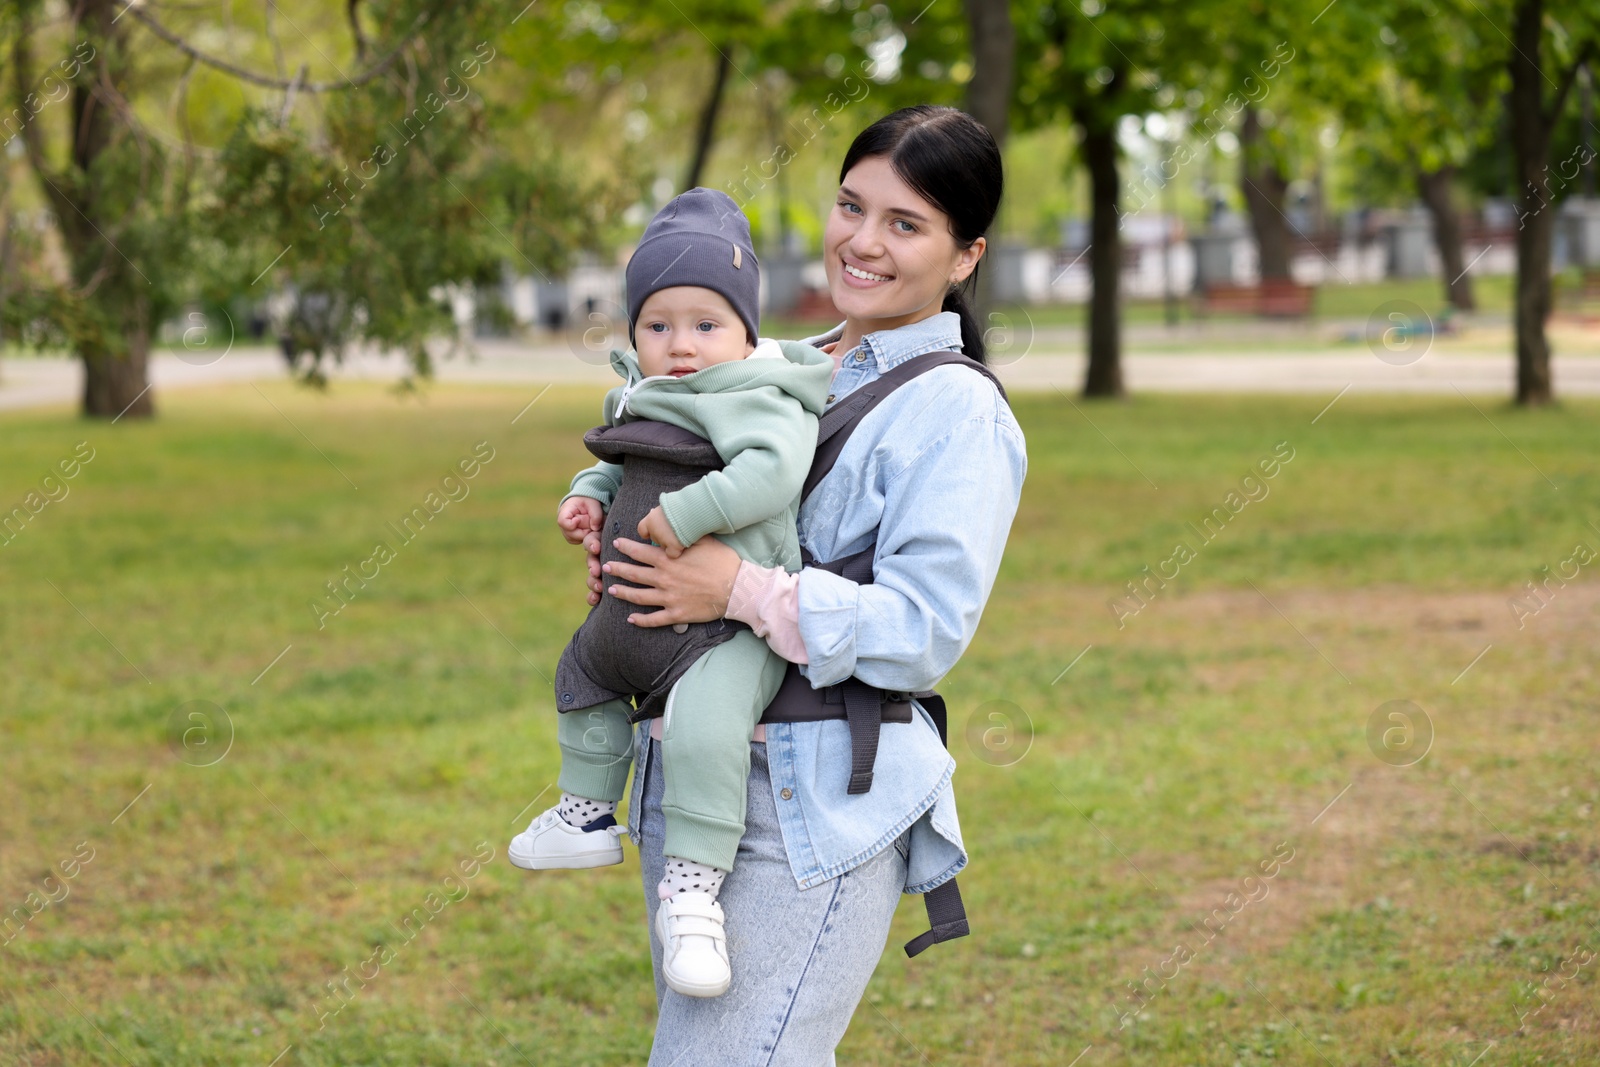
{"x": 581, "y": 831}
{"x": 705, "y": 747}
{"x": 596, "y": 750}
{"x": 705, "y": 756}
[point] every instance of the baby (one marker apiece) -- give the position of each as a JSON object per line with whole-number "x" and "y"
{"x": 711, "y": 433}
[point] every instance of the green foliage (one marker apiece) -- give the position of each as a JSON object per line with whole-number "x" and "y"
{"x": 368, "y": 200}
{"x": 409, "y": 185}
{"x": 1094, "y": 63}
{"x": 1424, "y": 94}
{"x": 127, "y": 220}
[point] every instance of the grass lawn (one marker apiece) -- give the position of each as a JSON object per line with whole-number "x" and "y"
{"x": 231, "y": 797}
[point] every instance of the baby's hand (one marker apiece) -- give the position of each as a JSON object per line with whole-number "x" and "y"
{"x": 655, "y": 527}
{"x": 580, "y": 516}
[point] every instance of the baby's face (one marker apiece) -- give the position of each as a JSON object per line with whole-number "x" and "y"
{"x": 687, "y": 328}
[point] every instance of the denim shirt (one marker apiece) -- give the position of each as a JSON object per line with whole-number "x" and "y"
{"x": 934, "y": 474}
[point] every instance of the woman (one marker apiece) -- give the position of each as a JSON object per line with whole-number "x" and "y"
{"x": 932, "y": 475}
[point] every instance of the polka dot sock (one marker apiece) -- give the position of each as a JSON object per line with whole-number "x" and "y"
{"x": 687, "y": 876}
{"x": 581, "y": 811}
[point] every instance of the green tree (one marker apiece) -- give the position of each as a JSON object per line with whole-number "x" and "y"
{"x": 420, "y": 181}
{"x": 406, "y": 176}
{"x": 1425, "y": 101}
{"x": 813, "y": 74}
{"x": 990, "y": 93}
{"x": 1548, "y": 47}
{"x": 120, "y": 205}
{"x": 1093, "y": 66}
{"x": 1283, "y": 66}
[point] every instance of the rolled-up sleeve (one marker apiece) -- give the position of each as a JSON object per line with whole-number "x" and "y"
{"x": 946, "y": 516}
{"x": 765, "y": 599}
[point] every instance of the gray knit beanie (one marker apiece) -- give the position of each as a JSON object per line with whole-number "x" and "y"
{"x": 700, "y": 238}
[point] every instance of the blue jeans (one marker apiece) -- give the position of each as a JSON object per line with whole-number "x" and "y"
{"x": 801, "y": 959}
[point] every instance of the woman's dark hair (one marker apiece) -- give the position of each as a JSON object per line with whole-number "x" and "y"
{"x": 952, "y": 162}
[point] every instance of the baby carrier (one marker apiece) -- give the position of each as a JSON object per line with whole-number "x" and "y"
{"x": 659, "y": 457}
{"x": 609, "y": 657}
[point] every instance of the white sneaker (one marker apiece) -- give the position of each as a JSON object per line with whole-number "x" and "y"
{"x": 694, "y": 947}
{"x": 549, "y": 843}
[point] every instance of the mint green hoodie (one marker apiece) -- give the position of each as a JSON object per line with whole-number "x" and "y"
{"x": 760, "y": 413}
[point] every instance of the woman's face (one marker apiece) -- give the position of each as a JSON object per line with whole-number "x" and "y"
{"x": 889, "y": 254}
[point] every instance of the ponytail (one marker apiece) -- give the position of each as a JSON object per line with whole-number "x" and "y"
{"x": 955, "y": 299}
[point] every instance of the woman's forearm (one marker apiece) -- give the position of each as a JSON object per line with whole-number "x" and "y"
{"x": 767, "y": 599}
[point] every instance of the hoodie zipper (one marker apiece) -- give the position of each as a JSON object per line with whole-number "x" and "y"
{"x": 629, "y": 388}
{"x": 632, "y": 387}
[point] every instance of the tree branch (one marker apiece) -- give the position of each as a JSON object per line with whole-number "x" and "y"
{"x": 351, "y": 11}
{"x": 32, "y": 143}
{"x": 180, "y": 107}
{"x": 708, "y": 117}
{"x": 107, "y": 92}
{"x": 276, "y": 83}
{"x": 288, "y": 96}
{"x": 1559, "y": 101}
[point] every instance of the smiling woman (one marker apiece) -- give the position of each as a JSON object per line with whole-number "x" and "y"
{"x": 915, "y": 508}
{"x": 906, "y": 232}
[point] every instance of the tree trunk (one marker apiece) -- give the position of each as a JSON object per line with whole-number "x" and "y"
{"x": 1264, "y": 187}
{"x": 994, "y": 49}
{"x": 112, "y": 334}
{"x": 707, "y": 131}
{"x": 8, "y": 223}
{"x": 1533, "y": 311}
{"x": 115, "y": 366}
{"x": 115, "y": 360}
{"x": 1436, "y": 189}
{"x": 1530, "y": 141}
{"x": 1104, "y": 376}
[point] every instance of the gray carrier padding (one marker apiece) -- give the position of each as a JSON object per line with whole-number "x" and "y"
{"x": 608, "y": 657}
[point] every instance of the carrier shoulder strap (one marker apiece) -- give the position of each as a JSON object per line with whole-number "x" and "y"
{"x": 947, "y": 915}
{"x": 836, "y": 426}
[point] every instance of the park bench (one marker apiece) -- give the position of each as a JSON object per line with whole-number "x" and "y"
{"x": 1282, "y": 299}
{"x": 1274, "y": 298}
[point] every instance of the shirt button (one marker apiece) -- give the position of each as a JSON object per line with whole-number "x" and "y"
{"x": 787, "y": 794}
{"x": 829, "y": 400}
{"x": 861, "y": 357}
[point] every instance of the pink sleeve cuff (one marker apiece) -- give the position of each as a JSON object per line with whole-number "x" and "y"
{"x": 767, "y": 599}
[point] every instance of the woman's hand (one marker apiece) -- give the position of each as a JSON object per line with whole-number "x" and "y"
{"x": 692, "y": 588}
{"x": 591, "y": 548}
